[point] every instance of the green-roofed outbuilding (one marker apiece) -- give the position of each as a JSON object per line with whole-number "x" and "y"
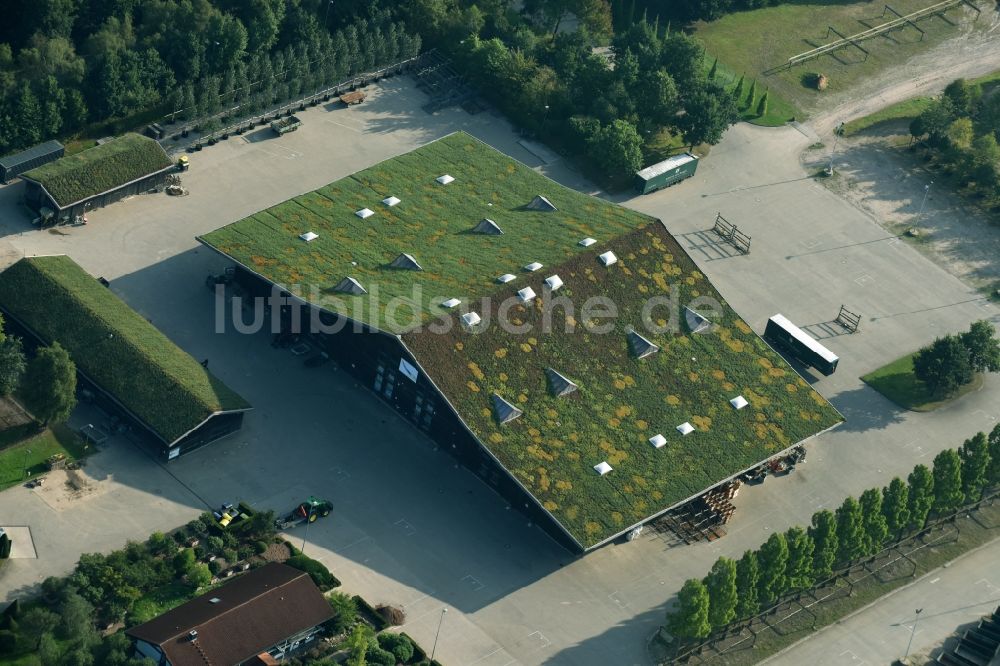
{"x": 133, "y": 369}
{"x": 93, "y": 178}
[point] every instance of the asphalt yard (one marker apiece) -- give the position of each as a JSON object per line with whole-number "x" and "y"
{"x": 411, "y": 528}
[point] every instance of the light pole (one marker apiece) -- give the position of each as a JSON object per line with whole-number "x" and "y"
{"x": 836, "y": 138}
{"x": 912, "y": 632}
{"x": 24, "y": 467}
{"x": 326, "y": 19}
{"x": 305, "y": 533}
{"x": 440, "y": 621}
{"x": 927, "y": 189}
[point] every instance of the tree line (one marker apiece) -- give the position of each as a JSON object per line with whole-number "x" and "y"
{"x": 800, "y": 557}
{"x": 960, "y": 131}
{"x": 682, "y": 12}
{"x": 602, "y": 107}
{"x": 67, "y": 63}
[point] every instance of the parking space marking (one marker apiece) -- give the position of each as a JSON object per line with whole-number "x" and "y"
{"x": 544, "y": 642}
{"x": 615, "y": 597}
{"x": 474, "y": 583}
{"x": 334, "y": 122}
{"x": 405, "y": 527}
{"x": 993, "y": 589}
{"x": 289, "y": 154}
{"x": 855, "y": 659}
{"x": 985, "y": 415}
{"x": 864, "y": 279}
{"x": 816, "y": 242}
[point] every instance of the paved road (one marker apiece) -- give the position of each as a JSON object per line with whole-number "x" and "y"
{"x": 959, "y": 594}
{"x": 412, "y": 528}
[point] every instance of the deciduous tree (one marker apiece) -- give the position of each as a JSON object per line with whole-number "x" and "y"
{"x": 850, "y": 536}
{"x": 690, "y": 618}
{"x": 948, "y": 493}
{"x": 983, "y": 346}
{"x": 773, "y": 558}
{"x": 800, "y": 559}
{"x": 921, "y": 490}
{"x": 747, "y": 581}
{"x": 975, "y": 457}
{"x": 874, "y": 526}
{"x": 824, "y": 535}
{"x": 943, "y": 365}
{"x": 721, "y": 586}
{"x": 50, "y": 384}
{"x": 895, "y": 506}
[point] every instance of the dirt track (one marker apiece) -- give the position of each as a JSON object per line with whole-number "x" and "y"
{"x": 971, "y": 54}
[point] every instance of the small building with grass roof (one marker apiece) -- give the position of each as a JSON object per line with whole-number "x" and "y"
{"x": 504, "y": 349}
{"x": 93, "y": 178}
{"x": 133, "y": 370}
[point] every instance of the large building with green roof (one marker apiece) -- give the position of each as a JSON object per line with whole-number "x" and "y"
{"x": 565, "y": 349}
{"x": 93, "y": 178}
{"x": 135, "y": 371}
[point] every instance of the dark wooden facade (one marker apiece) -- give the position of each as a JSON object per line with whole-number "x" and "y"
{"x": 373, "y": 358}
{"x": 214, "y": 427}
{"x": 36, "y": 197}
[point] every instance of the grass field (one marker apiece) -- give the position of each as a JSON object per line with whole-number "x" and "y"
{"x": 897, "y": 382}
{"x": 758, "y": 41}
{"x": 30, "y": 454}
{"x": 779, "y": 110}
{"x": 114, "y": 345}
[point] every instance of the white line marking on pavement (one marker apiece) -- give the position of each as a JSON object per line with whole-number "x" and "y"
{"x": 935, "y": 580}
{"x": 473, "y": 582}
{"x": 406, "y": 527}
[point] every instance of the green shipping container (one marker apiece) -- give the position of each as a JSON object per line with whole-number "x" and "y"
{"x": 666, "y": 173}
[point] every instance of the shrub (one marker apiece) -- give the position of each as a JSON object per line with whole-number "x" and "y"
{"x": 260, "y": 547}
{"x": 215, "y": 544}
{"x": 215, "y": 566}
{"x": 399, "y": 645}
{"x": 230, "y": 556}
{"x": 344, "y": 609}
{"x": 244, "y": 551}
{"x": 320, "y": 575}
{"x": 197, "y": 528}
{"x": 376, "y": 656}
{"x": 8, "y": 642}
{"x": 391, "y": 614}
{"x": 159, "y": 544}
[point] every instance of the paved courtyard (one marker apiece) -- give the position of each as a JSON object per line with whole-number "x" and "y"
{"x": 409, "y": 526}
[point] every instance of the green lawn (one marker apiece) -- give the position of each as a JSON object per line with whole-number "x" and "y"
{"x": 906, "y": 110}
{"x": 33, "y": 452}
{"x": 759, "y": 41}
{"x": 779, "y": 111}
{"x": 897, "y": 382}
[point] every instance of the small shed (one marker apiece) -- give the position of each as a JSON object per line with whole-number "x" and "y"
{"x": 14, "y": 165}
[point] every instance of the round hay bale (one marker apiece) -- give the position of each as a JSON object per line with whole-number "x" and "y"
{"x": 822, "y": 82}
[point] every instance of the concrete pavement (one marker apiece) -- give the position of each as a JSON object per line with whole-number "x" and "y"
{"x": 413, "y": 529}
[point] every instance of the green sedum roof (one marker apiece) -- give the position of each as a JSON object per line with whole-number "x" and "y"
{"x": 114, "y": 346}
{"x": 101, "y": 168}
{"x": 621, "y": 401}
{"x": 433, "y": 223}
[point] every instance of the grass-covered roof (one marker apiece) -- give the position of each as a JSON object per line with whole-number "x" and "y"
{"x": 433, "y": 223}
{"x": 101, "y": 168}
{"x": 621, "y": 401}
{"x": 113, "y": 345}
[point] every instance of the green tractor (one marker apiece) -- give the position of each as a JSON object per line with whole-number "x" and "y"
{"x": 307, "y": 512}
